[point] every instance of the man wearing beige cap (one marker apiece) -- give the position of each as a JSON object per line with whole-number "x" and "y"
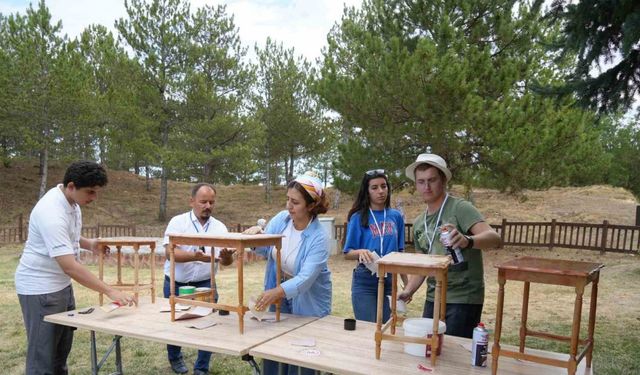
{"x": 467, "y": 233}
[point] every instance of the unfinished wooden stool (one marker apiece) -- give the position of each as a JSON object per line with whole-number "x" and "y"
{"x": 237, "y": 241}
{"x": 411, "y": 264}
{"x": 134, "y": 242}
{"x": 555, "y": 272}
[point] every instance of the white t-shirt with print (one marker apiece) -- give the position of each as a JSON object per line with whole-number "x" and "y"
{"x": 54, "y": 230}
{"x": 188, "y": 223}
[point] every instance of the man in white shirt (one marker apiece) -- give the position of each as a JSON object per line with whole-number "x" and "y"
{"x": 49, "y": 262}
{"x": 193, "y": 263}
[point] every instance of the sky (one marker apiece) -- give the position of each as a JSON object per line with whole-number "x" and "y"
{"x": 301, "y": 24}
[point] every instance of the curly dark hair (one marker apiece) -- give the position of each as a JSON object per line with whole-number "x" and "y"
{"x": 85, "y": 174}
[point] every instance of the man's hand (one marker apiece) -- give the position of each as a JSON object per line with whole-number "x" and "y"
{"x": 200, "y": 256}
{"x": 253, "y": 230}
{"x": 122, "y": 298}
{"x": 226, "y": 256}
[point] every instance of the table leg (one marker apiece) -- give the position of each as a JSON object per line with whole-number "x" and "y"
{"x": 575, "y": 329}
{"x": 119, "y": 264}
{"x": 116, "y": 340}
{"x": 94, "y": 354}
{"x": 240, "y": 294}
{"x": 101, "y": 269}
{"x": 172, "y": 280}
{"x": 278, "y": 276}
{"x": 496, "y": 340}
{"x": 392, "y": 303}
{"x": 152, "y": 254}
{"x": 437, "y": 301}
{"x": 592, "y": 317}
{"x": 443, "y": 297}
{"x": 136, "y": 271}
{"x": 525, "y": 311}
{"x": 379, "y": 314}
{"x": 255, "y": 368}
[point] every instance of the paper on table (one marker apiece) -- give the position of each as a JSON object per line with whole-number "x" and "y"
{"x": 179, "y": 307}
{"x": 202, "y": 324}
{"x": 198, "y": 312}
{"x": 373, "y": 266}
{"x": 110, "y": 307}
{"x": 257, "y": 314}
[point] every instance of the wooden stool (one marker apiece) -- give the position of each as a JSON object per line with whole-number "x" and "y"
{"x": 237, "y": 241}
{"x": 135, "y": 242}
{"x": 556, "y": 272}
{"x": 411, "y": 264}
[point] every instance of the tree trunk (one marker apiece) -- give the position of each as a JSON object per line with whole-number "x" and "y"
{"x": 44, "y": 166}
{"x": 162, "y": 214}
{"x": 147, "y": 176}
{"x": 267, "y": 182}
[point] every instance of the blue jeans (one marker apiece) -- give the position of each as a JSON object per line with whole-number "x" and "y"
{"x": 175, "y": 352}
{"x": 364, "y": 295}
{"x": 270, "y": 367}
{"x": 461, "y": 318}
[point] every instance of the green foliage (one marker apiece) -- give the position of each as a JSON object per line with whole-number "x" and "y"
{"x": 604, "y": 35}
{"x": 455, "y": 76}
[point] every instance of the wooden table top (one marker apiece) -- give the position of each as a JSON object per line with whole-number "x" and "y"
{"x": 127, "y": 241}
{"x": 415, "y": 260}
{"x": 551, "y": 266}
{"x": 227, "y": 239}
{"x": 353, "y": 352}
{"x": 146, "y": 322}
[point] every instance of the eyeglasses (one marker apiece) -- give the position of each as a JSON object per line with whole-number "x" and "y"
{"x": 375, "y": 172}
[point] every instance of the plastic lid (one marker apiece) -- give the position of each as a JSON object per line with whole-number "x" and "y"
{"x": 481, "y": 324}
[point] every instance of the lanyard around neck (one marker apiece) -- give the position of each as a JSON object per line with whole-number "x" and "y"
{"x": 380, "y": 232}
{"x": 205, "y": 227}
{"x": 435, "y": 225}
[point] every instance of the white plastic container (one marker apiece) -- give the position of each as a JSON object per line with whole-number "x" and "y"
{"x": 421, "y": 327}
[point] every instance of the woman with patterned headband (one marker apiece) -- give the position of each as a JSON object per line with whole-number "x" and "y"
{"x": 374, "y": 230}
{"x": 305, "y": 287}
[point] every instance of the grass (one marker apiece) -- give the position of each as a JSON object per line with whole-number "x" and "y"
{"x": 617, "y": 325}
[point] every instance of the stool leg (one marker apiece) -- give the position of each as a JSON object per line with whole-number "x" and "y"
{"x": 437, "y": 301}
{"x": 592, "y": 318}
{"x": 119, "y": 264}
{"x": 379, "y": 314}
{"x": 392, "y": 303}
{"x": 575, "y": 329}
{"x": 101, "y": 269}
{"x": 496, "y": 340}
{"x": 136, "y": 265}
{"x": 152, "y": 254}
{"x": 525, "y": 312}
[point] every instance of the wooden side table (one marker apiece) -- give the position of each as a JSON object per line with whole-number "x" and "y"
{"x": 237, "y": 241}
{"x": 135, "y": 242}
{"x": 411, "y": 264}
{"x": 556, "y": 272}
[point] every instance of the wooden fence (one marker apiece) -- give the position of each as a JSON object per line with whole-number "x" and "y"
{"x": 604, "y": 237}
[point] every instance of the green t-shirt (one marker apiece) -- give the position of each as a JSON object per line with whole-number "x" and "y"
{"x": 465, "y": 282}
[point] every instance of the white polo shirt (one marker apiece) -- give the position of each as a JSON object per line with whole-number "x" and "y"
{"x": 54, "y": 230}
{"x": 188, "y": 223}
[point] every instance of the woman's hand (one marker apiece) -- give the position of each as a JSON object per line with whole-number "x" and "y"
{"x": 365, "y": 256}
{"x": 253, "y": 230}
{"x": 269, "y": 297}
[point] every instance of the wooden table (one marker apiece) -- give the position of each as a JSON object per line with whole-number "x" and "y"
{"x": 411, "y": 264}
{"x": 351, "y": 352}
{"x": 134, "y": 242}
{"x": 556, "y": 272}
{"x": 146, "y": 322}
{"x": 238, "y": 241}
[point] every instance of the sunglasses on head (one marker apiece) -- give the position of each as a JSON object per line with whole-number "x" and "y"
{"x": 375, "y": 172}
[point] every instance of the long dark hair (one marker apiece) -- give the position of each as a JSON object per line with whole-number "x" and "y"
{"x": 363, "y": 201}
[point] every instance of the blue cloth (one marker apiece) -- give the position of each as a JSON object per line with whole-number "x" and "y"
{"x": 359, "y": 237}
{"x": 310, "y": 287}
{"x": 175, "y": 352}
{"x": 364, "y": 285}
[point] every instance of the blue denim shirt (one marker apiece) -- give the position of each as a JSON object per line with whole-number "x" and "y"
{"x": 310, "y": 287}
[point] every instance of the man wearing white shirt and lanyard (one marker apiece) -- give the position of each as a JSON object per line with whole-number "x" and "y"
{"x": 192, "y": 262}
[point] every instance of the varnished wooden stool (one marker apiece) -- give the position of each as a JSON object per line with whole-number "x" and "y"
{"x": 411, "y": 264}
{"x": 556, "y": 272}
{"x": 236, "y": 241}
{"x": 135, "y": 242}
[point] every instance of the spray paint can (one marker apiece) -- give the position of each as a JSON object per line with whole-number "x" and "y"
{"x": 479, "y": 346}
{"x": 456, "y": 254}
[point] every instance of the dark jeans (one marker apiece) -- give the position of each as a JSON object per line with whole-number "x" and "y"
{"x": 48, "y": 344}
{"x": 364, "y": 295}
{"x": 175, "y": 352}
{"x": 461, "y": 318}
{"x": 276, "y": 368}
